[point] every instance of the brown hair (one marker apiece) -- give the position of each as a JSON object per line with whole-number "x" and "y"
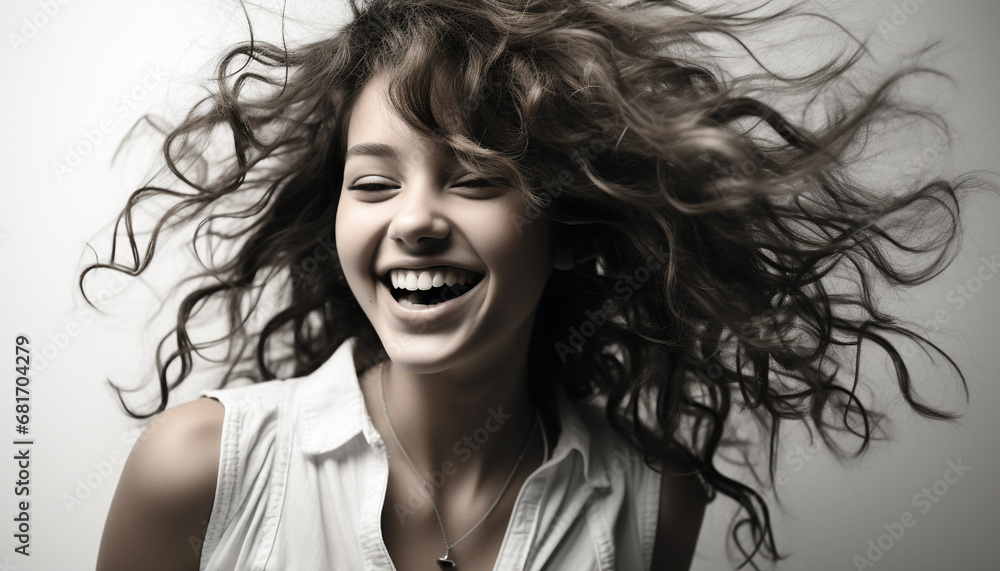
{"x": 725, "y": 257}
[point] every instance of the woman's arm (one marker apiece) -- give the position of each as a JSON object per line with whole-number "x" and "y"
{"x": 682, "y": 506}
{"x": 160, "y": 510}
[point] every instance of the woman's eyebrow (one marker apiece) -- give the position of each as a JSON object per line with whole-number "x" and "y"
{"x": 372, "y": 149}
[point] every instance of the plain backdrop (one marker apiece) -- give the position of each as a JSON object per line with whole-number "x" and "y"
{"x": 81, "y": 73}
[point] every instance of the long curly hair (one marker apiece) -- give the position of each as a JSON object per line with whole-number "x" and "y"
{"x": 728, "y": 257}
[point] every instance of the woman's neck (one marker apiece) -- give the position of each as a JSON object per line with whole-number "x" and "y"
{"x": 460, "y": 426}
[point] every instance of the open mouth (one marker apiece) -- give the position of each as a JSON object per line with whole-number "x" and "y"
{"x": 430, "y": 286}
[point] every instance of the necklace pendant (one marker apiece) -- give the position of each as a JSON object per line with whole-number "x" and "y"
{"x": 445, "y": 563}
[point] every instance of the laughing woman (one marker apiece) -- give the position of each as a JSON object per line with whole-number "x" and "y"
{"x": 527, "y": 259}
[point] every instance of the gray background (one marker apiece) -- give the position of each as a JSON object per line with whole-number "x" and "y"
{"x": 104, "y": 63}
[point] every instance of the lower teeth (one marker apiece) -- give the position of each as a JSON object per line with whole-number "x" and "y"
{"x": 414, "y": 299}
{"x": 405, "y": 302}
{"x": 432, "y": 297}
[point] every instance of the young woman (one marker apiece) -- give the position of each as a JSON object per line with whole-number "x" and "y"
{"x": 516, "y": 262}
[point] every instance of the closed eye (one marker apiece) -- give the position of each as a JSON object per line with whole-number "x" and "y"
{"x": 373, "y": 183}
{"x": 371, "y": 187}
{"x": 476, "y": 183}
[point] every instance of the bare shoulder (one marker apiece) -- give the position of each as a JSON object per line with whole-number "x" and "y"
{"x": 682, "y": 508}
{"x": 164, "y": 498}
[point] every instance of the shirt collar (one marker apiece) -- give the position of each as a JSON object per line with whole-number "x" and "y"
{"x": 331, "y": 408}
{"x": 332, "y": 412}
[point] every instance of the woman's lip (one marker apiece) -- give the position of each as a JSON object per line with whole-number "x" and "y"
{"x": 430, "y": 314}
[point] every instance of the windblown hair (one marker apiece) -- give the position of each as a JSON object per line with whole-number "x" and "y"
{"x": 727, "y": 259}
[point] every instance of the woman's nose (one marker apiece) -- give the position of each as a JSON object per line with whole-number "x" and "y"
{"x": 420, "y": 218}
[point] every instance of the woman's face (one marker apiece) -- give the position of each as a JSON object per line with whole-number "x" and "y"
{"x": 433, "y": 253}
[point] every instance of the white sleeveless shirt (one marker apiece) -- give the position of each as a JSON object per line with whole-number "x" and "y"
{"x": 303, "y": 473}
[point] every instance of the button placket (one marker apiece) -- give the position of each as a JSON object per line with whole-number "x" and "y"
{"x": 373, "y": 548}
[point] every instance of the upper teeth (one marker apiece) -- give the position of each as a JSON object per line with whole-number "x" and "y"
{"x": 414, "y": 280}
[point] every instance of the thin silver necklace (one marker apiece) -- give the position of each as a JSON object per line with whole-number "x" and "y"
{"x": 445, "y": 562}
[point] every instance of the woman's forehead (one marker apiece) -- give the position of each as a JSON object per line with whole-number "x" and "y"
{"x": 376, "y": 129}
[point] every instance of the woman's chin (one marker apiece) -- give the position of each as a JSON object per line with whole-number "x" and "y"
{"x": 420, "y": 354}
